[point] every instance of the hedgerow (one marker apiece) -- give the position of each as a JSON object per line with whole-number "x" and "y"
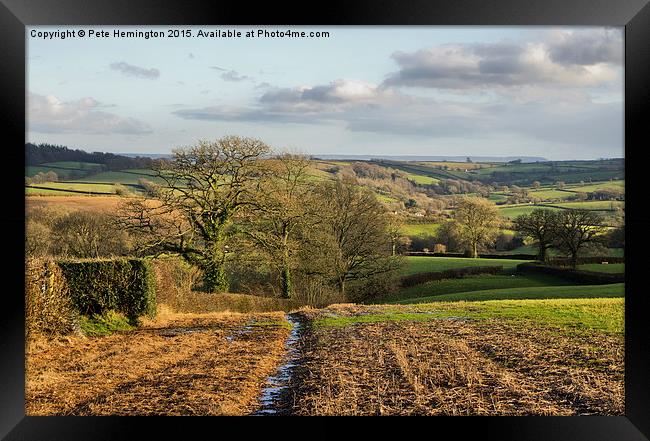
{"x": 578, "y": 276}
{"x": 100, "y": 285}
{"x": 454, "y": 273}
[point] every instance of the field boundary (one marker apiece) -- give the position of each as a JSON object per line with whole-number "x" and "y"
{"x": 39, "y": 187}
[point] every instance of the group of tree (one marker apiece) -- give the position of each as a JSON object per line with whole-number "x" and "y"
{"x": 74, "y": 234}
{"x": 224, "y": 200}
{"x": 42, "y": 177}
{"x": 36, "y": 154}
{"x": 569, "y": 231}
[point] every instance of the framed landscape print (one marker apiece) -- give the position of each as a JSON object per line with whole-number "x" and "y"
{"x": 395, "y": 210}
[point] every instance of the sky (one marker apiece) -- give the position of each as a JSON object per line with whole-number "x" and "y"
{"x": 554, "y": 92}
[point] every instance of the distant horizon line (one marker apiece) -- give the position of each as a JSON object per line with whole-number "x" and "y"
{"x": 450, "y": 158}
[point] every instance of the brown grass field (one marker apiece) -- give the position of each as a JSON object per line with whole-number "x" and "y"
{"x": 89, "y": 203}
{"x": 218, "y": 364}
{"x": 456, "y": 366}
{"x": 180, "y": 364}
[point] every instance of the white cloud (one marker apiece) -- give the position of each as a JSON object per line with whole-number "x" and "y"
{"x": 48, "y": 114}
{"x": 135, "y": 71}
{"x": 578, "y": 58}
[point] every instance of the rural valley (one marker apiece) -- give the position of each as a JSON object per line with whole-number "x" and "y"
{"x": 232, "y": 278}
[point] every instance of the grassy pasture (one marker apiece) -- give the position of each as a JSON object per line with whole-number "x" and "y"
{"x": 525, "y": 293}
{"x": 386, "y": 199}
{"x": 45, "y": 192}
{"x": 422, "y": 179}
{"x": 422, "y": 264}
{"x": 428, "y": 229}
{"x": 64, "y": 174}
{"x": 497, "y": 197}
{"x": 550, "y": 194}
{"x": 471, "y": 283}
{"x": 607, "y": 185}
{"x": 122, "y": 177}
{"x": 592, "y": 205}
{"x": 85, "y": 187}
{"x": 586, "y": 313}
{"x": 612, "y": 268}
{"x": 512, "y": 212}
{"x": 74, "y": 165}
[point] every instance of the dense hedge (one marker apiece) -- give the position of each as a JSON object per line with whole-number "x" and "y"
{"x": 484, "y": 256}
{"x": 100, "y": 285}
{"x": 578, "y": 276}
{"x": 454, "y": 273}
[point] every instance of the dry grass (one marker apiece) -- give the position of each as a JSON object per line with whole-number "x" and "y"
{"x": 89, "y": 203}
{"x": 48, "y": 308}
{"x": 456, "y": 367}
{"x": 179, "y": 364}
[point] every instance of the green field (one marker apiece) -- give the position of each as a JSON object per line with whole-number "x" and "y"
{"x": 512, "y": 212}
{"x": 423, "y": 264}
{"x": 422, "y": 179}
{"x": 584, "y": 313}
{"x": 430, "y": 229}
{"x": 43, "y": 192}
{"x": 550, "y": 194}
{"x": 32, "y": 171}
{"x": 122, "y": 177}
{"x": 74, "y": 165}
{"x": 385, "y": 198}
{"x": 81, "y": 186}
{"x": 592, "y": 205}
{"x": 612, "y": 268}
{"x": 497, "y": 197}
{"x": 607, "y": 185}
{"x": 474, "y": 283}
{"x": 534, "y": 292}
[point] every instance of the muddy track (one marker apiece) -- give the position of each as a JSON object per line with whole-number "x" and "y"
{"x": 279, "y": 392}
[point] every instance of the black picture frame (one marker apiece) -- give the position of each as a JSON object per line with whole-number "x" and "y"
{"x": 633, "y": 14}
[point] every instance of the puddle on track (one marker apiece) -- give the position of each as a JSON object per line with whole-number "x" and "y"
{"x": 278, "y": 384}
{"x": 244, "y": 331}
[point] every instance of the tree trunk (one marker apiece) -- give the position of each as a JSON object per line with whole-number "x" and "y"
{"x": 474, "y": 251}
{"x": 285, "y": 275}
{"x": 342, "y": 288}
{"x": 574, "y": 260}
{"x": 214, "y": 275}
{"x": 542, "y": 257}
{"x": 285, "y": 279}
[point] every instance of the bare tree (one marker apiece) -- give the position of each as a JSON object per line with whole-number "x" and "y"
{"x": 282, "y": 207}
{"x": 577, "y": 228}
{"x": 541, "y": 225}
{"x": 202, "y": 188}
{"x": 354, "y": 228}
